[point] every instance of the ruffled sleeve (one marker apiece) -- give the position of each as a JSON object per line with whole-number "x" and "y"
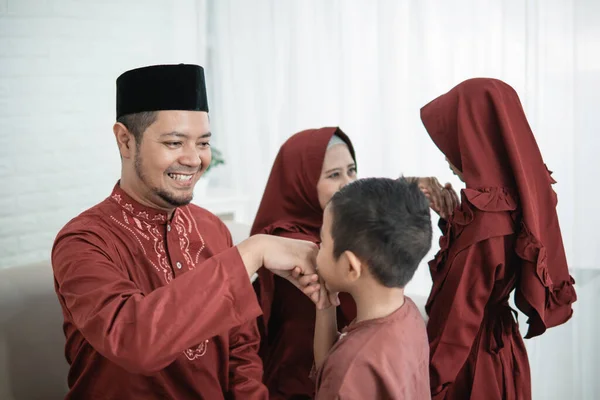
{"x": 493, "y": 199}
{"x": 473, "y": 201}
{"x": 546, "y": 301}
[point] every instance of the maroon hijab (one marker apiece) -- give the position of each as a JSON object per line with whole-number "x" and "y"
{"x": 481, "y": 127}
{"x": 290, "y": 204}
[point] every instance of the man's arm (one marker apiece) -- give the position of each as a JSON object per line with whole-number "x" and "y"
{"x": 245, "y": 366}
{"x": 144, "y": 333}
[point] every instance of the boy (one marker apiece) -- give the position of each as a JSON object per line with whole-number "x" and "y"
{"x": 375, "y": 233}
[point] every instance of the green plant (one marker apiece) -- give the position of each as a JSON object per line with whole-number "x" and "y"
{"x": 217, "y": 159}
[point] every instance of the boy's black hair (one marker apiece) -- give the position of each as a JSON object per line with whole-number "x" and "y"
{"x": 384, "y": 222}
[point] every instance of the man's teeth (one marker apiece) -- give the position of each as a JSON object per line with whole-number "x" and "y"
{"x": 180, "y": 177}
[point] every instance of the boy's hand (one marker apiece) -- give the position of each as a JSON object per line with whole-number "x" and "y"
{"x": 326, "y": 298}
{"x": 308, "y": 284}
{"x": 316, "y": 290}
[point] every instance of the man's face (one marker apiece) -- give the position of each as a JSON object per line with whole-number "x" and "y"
{"x": 172, "y": 154}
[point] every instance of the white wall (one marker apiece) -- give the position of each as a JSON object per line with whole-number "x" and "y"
{"x": 59, "y": 60}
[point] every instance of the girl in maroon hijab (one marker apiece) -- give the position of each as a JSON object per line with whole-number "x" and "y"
{"x": 504, "y": 236}
{"x": 311, "y": 166}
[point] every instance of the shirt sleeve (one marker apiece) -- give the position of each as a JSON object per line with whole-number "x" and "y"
{"x": 245, "y": 366}
{"x": 356, "y": 381}
{"x": 144, "y": 333}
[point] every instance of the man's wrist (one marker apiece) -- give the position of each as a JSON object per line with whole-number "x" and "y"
{"x": 252, "y": 253}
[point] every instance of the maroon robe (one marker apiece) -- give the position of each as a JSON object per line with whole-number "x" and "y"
{"x": 155, "y": 308}
{"x": 290, "y": 208}
{"x": 384, "y": 358}
{"x": 505, "y": 236}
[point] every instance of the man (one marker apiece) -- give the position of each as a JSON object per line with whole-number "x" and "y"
{"x": 157, "y": 303}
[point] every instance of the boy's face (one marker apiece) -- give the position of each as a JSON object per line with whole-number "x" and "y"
{"x": 328, "y": 267}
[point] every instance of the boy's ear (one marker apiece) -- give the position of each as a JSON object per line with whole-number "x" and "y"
{"x": 354, "y": 266}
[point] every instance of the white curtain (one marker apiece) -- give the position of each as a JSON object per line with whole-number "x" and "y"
{"x": 277, "y": 67}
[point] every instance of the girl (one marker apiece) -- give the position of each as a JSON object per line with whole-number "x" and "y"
{"x": 505, "y": 236}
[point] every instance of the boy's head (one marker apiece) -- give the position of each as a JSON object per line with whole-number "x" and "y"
{"x": 375, "y": 227}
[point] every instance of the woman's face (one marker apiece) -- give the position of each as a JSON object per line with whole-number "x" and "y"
{"x": 338, "y": 170}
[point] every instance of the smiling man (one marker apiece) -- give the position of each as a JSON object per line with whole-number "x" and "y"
{"x": 157, "y": 303}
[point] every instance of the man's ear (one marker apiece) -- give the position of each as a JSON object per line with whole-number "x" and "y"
{"x": 125, "y": 140}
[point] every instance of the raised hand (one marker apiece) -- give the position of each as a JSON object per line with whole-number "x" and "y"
{"x": 443, "y": 199}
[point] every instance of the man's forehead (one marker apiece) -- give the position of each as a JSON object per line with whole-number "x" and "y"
{"x": 182, "y": 115}
{"x": 183, "y": 135}
{"x": 182, "y": 123}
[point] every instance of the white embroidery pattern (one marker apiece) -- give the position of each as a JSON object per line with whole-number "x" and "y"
{"x": 141, "y": 214}
{"x": 130, "y": 230}
{"x": 166, "y": 271}
{"x": 159, "y": 249}
{"x": 197, "y": 352}
{"x": 182, "y": 219}
{"x": 193, "y": 221}
{"x": 184, "y": 240}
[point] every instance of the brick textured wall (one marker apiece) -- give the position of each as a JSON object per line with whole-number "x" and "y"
{"x": 58, "y": 63}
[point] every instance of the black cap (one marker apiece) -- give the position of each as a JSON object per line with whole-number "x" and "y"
{"x": 162, "y": 87}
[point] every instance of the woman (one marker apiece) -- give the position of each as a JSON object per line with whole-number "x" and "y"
{"x": 504, "y": 236}
{"x": 311, "y": 166}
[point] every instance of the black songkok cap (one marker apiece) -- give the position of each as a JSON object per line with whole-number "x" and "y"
{"x": 161, "y": 87}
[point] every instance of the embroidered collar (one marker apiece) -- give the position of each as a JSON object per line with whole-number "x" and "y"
{"x": 136, "y": 209}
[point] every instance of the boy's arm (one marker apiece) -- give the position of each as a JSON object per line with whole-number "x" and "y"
{"x": 326, "y": 319}
{"x": 325, "y": 325}
{"x": 325, "y": 334}
{"x": 357, "y": 379}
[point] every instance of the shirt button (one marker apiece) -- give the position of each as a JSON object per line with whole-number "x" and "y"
{"x": 168, "y": 228}
{"x": 178, "y": 265}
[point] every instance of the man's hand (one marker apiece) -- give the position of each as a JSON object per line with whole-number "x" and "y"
{"x": 281, "y": 256}
{"x": 442, "y": 199}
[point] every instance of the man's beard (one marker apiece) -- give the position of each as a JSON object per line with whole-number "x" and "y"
{"x": 163, "y": 194}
